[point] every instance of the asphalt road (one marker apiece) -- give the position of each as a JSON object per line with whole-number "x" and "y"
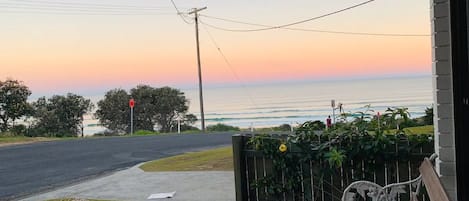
{"x": 39, "y": 167}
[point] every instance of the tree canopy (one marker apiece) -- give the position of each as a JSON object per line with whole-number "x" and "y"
{"x": 153, "y": 107}
{"x": 428, "y": 118}
{"x": 222, "y": 127}
{"x": 113, "y": 111}
{"x": 13, "y": 102}
{"x": 60, "y": 115}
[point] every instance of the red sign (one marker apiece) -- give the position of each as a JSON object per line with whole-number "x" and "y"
{"x": 132, "y": 103}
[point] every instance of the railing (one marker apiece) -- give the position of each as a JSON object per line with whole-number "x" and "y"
{"x": 251, "y": 165}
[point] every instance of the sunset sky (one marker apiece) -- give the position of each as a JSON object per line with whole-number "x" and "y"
{"x": 58, "y": 46}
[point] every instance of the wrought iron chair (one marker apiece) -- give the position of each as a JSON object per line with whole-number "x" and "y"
{"x": 427, "y": 177}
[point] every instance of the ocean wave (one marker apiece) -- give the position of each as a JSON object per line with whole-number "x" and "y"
{"x": 267, "y": 112}
{"x": 223, "y": 119}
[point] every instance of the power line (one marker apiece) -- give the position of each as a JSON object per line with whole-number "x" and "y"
{"x": 228, "y": 63}
{"x": 235, "y": 21}
{"x": 65, "y": 9}
{"x": 180, "y": 13}
{"x": 29, "y": 5}
{"x": 85, "y": 4}
{"x": 68, "y": 8}
{"x": 80, "y": 13}
{"x": 301, "y": 21}
{"x": 307, "y": 30}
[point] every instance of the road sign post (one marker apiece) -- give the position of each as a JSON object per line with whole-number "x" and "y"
{"x": 131, "y": 105}
{"x": 179, "y": 124}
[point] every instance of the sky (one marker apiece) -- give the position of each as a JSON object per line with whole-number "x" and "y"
{"x": 89, "y": 47}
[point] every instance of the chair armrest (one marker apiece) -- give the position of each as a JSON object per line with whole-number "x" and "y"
{"x": 432, "y": 182}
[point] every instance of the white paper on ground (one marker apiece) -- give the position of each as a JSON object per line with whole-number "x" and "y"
{"x": 161, "y": 195}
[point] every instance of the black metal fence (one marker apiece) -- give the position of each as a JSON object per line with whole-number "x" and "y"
{"x": 251, "y": 165}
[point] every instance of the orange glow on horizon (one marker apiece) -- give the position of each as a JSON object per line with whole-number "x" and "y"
{"x": 84, "y": 52}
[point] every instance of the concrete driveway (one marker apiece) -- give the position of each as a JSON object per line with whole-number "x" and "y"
{"x": 135, "y": 185}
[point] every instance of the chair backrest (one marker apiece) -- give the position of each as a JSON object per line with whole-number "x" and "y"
{"x": 432, "y": 182}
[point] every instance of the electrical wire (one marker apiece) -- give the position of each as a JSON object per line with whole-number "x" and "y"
{"x": 183, "y": 17}
{"x": 42, "y": 8}
{"x": 72, "y": 7}
{"x": 307, "y": 30}
{"x": 85, "y": 4}
{"x": 228, "y": 63}
{"x": 302, "y": 21}
{"x": 80, "y": 13}
{"x": 68, "y": 8}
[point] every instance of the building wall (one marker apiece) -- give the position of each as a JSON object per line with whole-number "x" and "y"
{"x": 443, "y": 95}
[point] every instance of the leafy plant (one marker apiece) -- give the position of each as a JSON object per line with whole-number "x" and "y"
{"x": 335, "y": 157}
{"x": 222, "y": 127}
{"x": 330, "y": 150}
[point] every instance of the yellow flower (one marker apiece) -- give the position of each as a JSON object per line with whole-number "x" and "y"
{"x": 283, "y": 148}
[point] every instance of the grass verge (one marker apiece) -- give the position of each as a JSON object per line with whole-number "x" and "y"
{"x": 23, "y": 140}
{"x": 420, "y": 130}
{"x": 417, "y": 130}
{"x": 220, "y": 159}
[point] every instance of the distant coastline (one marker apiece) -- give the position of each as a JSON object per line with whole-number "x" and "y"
{"x": 261, "y": 106}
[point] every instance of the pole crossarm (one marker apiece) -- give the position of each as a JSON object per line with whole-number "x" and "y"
{"x": 195, "y": 10}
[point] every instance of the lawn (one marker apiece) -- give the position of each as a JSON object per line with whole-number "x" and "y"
{"x": 420, "y": 130}
{"x": 416, "y": 130}
{"x": 220, "y": 159}
{"x": 23, "y": 140}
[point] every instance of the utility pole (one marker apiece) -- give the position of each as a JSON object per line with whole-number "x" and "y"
{"x": 195, "y": 12}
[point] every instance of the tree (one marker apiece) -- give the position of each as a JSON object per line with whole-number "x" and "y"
{"x": 222, "y": 127}
{"x": 60, "y": 115}
{"x": 283, "y": 127}
{"x": 398, "y": 117}
{"x": 13, "y": 102}
{"x": 153, "y": 106}
{"x": 170, "y": 104}
{"x": 316, "y": 125}
{"x": 113, "y": 111}
{"x": 145, "y": 109}
{"x": 428, "y": 118}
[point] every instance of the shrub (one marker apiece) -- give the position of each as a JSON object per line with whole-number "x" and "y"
{"x": 6, "y": 134}
{"x": 189, "y": 128}
{"x": 145, "y": 132}
{"x": 222, "y": 127}
{"x": 18, "y": 129}
{"x": 290, "y": 154}
{"x": 283, "y": 127}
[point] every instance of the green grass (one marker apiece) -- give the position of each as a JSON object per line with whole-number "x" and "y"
{"x": 145, "y": 132}
{"x": 415, "y": 130}
{"x": 22, "y": 140}
{"x": 220, "y": 159}
{"x": 420, "y": 130}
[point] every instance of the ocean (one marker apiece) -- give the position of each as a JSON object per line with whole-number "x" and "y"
{"x": 266, "y": 105}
